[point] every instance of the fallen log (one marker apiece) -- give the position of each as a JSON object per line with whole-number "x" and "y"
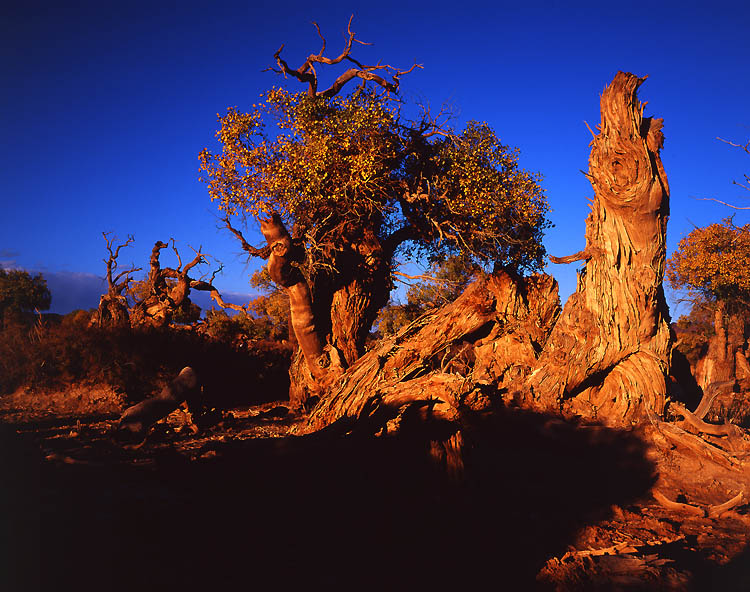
{"x": 136, "y": 420}
{"x": 496, "y": 321}
{"x": 726, "y": 429}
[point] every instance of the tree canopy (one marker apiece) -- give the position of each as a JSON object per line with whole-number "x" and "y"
{"x": 19, "y": 291}
{"x": 336, "y": 166}
{"x": 345, "y": 186}
{"x": 712, "y": 263}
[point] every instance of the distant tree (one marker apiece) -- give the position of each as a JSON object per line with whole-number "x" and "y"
{"x": 20, "y": 292}
{"x": 361, "y": 186}
{"x": 712, "y": 264}
{"x": 272, "y": 305}
{"x": 113, "y": 305}
{"x": 443, "y": 283}
{"x": 163, "y": 297}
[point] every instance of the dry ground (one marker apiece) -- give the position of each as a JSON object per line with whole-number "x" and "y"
{"x": 543, "y": 505}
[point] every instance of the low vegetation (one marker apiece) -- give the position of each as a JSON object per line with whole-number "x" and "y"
{"x": 47, "y": 353}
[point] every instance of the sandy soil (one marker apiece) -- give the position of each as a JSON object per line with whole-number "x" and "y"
{"x": 543, "y": 505}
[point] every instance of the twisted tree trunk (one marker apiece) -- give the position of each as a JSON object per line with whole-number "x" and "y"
{"x": 335, "y": 307}
{"x": 609, "y": 353}
{"x": 606, "y": 356}
{"x": 445, "y": 362}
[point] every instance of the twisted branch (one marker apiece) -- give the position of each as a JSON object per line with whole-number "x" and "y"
{"x": 306, "y": 72}
{"x": 263, "y": 253}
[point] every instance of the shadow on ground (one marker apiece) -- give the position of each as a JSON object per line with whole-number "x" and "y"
{"x": 316, "y": 511}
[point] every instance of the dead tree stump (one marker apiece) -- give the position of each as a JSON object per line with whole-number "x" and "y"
{"x": 609, "y": 353}
{"x": 605, "y": 357}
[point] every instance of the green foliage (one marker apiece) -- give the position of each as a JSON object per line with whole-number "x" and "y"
{"x": 20, "y": 292}
{"x": 451, "y": 276}
{"x": 237, "y": 328}
{"x": 712, "y": 263}
{"x": 269, "y": 319}
{"x": 351, "y": 166}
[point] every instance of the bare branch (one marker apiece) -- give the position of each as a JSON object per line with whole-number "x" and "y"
{"x": 583, "y": 255}
{"x": 306, "y": 72}
{"x": 215, "y": 295}
{"x": 745, "y": 147}
{"x": 723, "y": 202}
{"x": 111, "y": 262}
{"x": 366, "y": 75}
{"x": 425, "y": 277}
{"x": 176, "y": 252}
{"x": 710, "y": 512}
{"x": 678, "y": 506}
{"x": 716, "y": 511}
{"x": 264, "y": 253}
{"x": 215, "y": 273}
{"x": 727, "y": 429}
{"x": 199, "y": 258}
{"x": 126, "y": 274}
{"x": 710, "y": 393}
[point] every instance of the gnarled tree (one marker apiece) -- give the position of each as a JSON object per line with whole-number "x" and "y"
{"x": 113, "y": 306}
{"x": 360, "y": 186}
{"x": 605, "y": 356}
{"x": 164, "y": 295}
{"x": 711, "y": 263}
{"x": 609, "y": 353}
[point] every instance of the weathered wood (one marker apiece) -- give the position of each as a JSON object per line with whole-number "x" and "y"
{"x": 678, "y": 506}
{"x": 608, "y": 355}
{"x": 113, "y": 306}
{"x": 498, "y": 321}
{"x": 709, "y": 394}
{"x": 727, "y": 429}
{"x": 724, "y": 361}
{"x": 136, "y": 420}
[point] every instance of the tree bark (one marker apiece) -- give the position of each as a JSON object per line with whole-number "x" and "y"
{"x": 136, "y": 420}
{"x": 441, "y": 361}
{"x": 335, "y": 305}
{"x": 362, "y": 292}
{"x": 608, "y": 355}
{"x": 725, "y": 348}
{"x": 112, "y": 311}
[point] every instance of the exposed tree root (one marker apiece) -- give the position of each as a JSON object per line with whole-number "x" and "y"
{"x": 727, "y": 429}
{"x": 618, "y": 549}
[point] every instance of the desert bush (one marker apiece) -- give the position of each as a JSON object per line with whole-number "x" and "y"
{"x": 240, "y": 328}
{"x": 137, "y": 362}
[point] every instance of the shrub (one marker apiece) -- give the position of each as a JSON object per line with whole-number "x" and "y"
{"x": 44, "y": 356}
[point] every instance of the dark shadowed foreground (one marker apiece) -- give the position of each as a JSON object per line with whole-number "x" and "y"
{"x": 244, "y": 505}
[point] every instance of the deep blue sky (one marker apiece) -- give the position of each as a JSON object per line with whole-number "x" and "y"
{"x": 105, "y": 106}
